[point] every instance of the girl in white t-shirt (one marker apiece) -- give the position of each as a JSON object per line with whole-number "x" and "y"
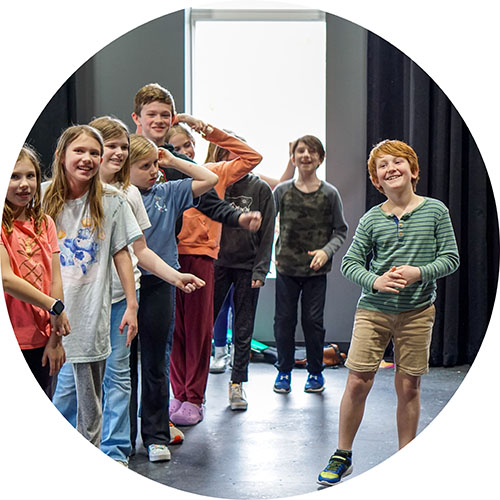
{"x": 115, "y": 170}
{"x": 94, "y": 228}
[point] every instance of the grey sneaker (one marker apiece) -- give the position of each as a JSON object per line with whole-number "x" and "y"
{"x": 237, "y": 397}
{"x": 158, "y": 453}
{"x": 218, "y": 362}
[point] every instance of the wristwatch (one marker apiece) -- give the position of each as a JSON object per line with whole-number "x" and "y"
{"x": 57, "y": 308}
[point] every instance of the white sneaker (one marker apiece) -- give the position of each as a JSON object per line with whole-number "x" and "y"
{"x": 158, "y": 452}
{"x": 176, "y": 435}
{"x": 218, "y": 361}
{"x": 237, "y": 397}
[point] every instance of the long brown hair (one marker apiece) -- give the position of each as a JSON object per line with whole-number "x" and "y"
{"x": 58, "y": 191}
{"x": 34, "y": 208}
{"x": 113, "y": 128}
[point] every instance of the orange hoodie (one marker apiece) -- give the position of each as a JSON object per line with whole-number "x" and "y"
{"x": 200, "y": 235}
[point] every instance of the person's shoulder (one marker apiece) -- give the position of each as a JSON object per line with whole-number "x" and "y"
{"x": 284, "y": 186}
{"x": 434, "y": 204}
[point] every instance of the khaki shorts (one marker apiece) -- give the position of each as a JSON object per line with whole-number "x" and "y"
{"x": 411, "y": 332}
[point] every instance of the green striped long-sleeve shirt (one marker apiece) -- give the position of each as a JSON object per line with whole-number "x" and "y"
{"x": 422, "y": 238}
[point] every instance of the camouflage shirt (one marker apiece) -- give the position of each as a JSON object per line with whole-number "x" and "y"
{"x": 307, "y": 221}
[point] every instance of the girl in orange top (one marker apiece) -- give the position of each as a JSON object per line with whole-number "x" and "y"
{"x": 31, "y": 273}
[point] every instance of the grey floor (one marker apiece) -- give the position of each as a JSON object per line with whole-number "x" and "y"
{"x": 277, "y": 447}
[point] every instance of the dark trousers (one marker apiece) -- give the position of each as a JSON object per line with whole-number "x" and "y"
{"x": 312, "y": 290}
{"x": 245, "y": 305}
{"x": 155, "y": 317}
{"x": 34, "y": 359}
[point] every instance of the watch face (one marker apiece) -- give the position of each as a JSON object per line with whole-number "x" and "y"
{"x": 58, "y": 307}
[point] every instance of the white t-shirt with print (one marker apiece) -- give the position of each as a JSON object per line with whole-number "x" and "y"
{"x": 86, "y": 269}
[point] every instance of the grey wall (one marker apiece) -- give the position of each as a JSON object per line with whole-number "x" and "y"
{"x": 154, "y": 52}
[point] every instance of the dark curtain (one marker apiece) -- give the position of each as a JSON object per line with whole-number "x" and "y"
{"x": 404, "y": 103}
{"x": 57, "y": 115}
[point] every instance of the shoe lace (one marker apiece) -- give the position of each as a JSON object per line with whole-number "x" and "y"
{"x": 237, "y": 391}
{"x": 336, "y": 464}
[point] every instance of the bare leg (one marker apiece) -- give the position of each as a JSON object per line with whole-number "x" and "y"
{"x": 408, "y": 411}
{"x": 352, "y": 406}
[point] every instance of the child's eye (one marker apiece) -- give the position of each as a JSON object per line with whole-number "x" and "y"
{"x": 14, "y": 177}
{"x": 31, "y": 176}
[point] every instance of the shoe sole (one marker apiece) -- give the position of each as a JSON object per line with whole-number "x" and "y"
{"x": 164, "y": 458}
{"x": 281, "y": 391}
{"x": 321, "y": 389}
{"x": 326, "y": 483}
{"x": 217, "y": 370}
{"x": 239, "y": 406}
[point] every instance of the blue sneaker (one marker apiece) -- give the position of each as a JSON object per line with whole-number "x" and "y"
{"x": 315, "y": 383}
{"x": 282, "y": 382}
{"x": 338, "y": 467}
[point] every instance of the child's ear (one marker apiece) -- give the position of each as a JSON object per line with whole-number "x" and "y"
{"x": 135, "y": 117}
{"x": 414, "y": 174}
{"x": 175, "y": 120}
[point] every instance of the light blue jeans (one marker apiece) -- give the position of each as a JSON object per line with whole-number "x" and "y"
{"x": 65, "y": 395}
{"x": 116, "y": 391}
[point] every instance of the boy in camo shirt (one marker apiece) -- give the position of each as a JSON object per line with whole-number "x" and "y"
{"x": 311, "y": 230}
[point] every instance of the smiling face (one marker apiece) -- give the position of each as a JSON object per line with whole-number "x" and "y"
{"x": 306, "y": 158}
{"x": 81, "y": 160}
{"x": 144, "y": 172}
{"x": 154, "y": 121}
{"x": 22, "y": 187}
{"x": 393, "y": 173}
{"x": 116, "y": 152}
{"x": 182, "y": 144}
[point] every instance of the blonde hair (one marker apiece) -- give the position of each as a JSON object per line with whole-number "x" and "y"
{"x": 216, "y": 154}
{"x": 152, "y": 92}
{"x": 113, "y": 128}
{"x": 58, "y": 190}
{"x": 179, "y": 129}
{"x": 34, "y": 208}
{"x": 397, "y": 148}
{"x": 140, "y": 147}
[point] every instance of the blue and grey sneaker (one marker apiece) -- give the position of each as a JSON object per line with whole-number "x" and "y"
{"x": 315, "y": 383}
{"x": 282, "y": 382}
{"x": 338, "y": 467}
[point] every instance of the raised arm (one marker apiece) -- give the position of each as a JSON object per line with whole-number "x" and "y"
{"x": 203, "y": 179}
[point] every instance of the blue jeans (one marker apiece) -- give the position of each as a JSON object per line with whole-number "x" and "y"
{"x": 64, "y": 397}
{"x": 116, "y": 391}
{"x": 221, "y": 319}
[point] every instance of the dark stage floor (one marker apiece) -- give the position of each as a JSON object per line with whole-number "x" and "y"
{"x": 278, "y": 446}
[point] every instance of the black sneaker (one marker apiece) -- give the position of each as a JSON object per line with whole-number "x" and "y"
{"x": 338, "y": 467}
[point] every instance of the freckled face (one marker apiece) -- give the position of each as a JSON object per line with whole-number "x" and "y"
{"x": 393, "y": 173}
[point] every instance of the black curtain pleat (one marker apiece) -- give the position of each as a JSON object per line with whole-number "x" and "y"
{"x": 405, "y": 103}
